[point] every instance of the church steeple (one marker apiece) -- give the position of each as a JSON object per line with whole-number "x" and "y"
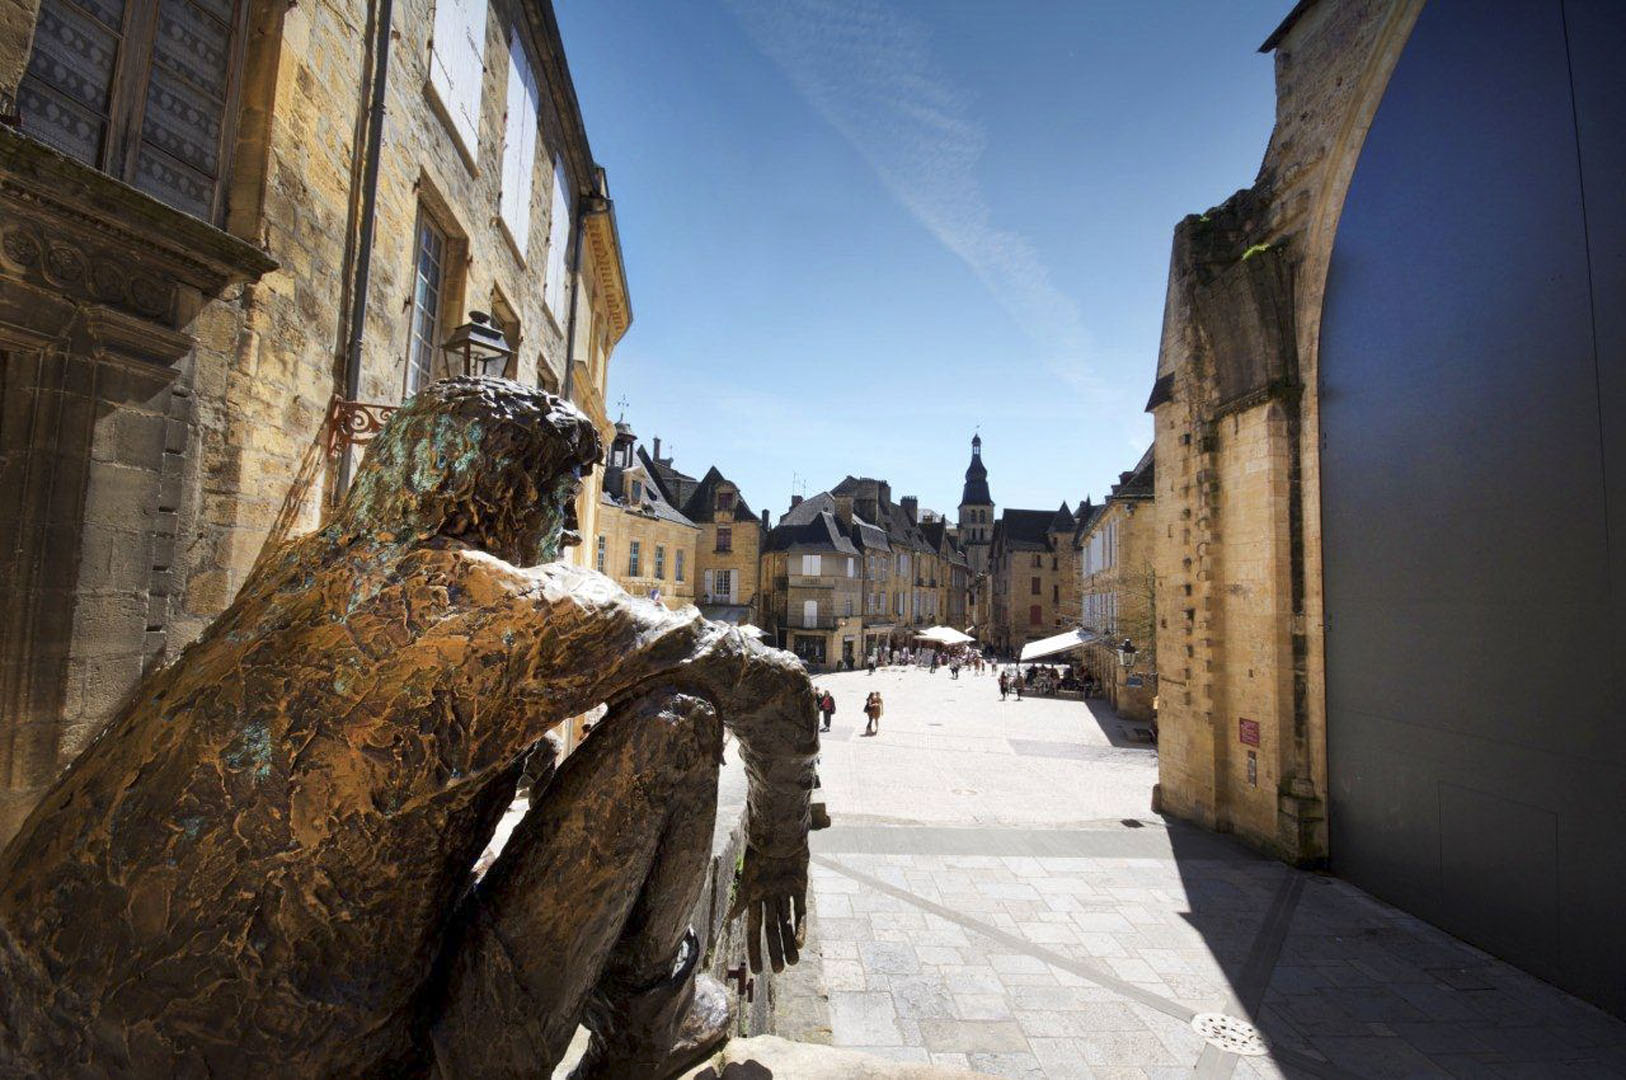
{"x": 976, "y": 478}
{"x": 976, "y": 510}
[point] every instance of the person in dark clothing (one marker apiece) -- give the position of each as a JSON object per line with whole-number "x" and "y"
{"x": 827, "y": 709}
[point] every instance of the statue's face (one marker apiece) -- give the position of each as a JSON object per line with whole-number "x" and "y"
{"x": 489, "y": 462}
{"x": 556, "y": 518}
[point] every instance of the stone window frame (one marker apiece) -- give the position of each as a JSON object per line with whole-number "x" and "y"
{"x": 724, "y": 540}
{"x": 660, "y": 562}
{"x": 634, "y": 557}
{"x": 130, "y": 82}
{"x": 677, "y": 565}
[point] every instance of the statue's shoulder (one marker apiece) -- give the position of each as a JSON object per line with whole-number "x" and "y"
{"x": 488, "y": 579}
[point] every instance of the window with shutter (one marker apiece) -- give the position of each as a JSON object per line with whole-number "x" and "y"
{"x": 810, "y": 613}
{"x": 677, "y": 565}
{"x": 519, "y": 144}
{"x": 144, "y": 90}
{"x": 457, "y": 67}
{"x": 553, "y": 287}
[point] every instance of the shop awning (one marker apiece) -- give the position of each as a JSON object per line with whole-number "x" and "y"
{"x": 1051, "y": 646}
{"x": 943, "y": 635}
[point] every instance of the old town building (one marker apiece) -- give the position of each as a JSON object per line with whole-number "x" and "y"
{"x": 728, "y": 559}
{"x": 210, "y": 280}
{"x": 811, "y": 585}
{"x": 1031, "y": 557}
{"x": 953, "y": 572}
{"x": 643, "y": 541}
{"x": 1116, "y": 586}
{"x": 1386, "y": 409}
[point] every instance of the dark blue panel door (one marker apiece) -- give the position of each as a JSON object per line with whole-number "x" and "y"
{"x": 1473, "y": 405}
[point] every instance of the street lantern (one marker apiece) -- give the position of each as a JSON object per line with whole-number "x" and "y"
{"x": 1126, "y": 653}
{"x": 477, "y": 347}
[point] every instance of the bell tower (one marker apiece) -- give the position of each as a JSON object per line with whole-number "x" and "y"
{"x": 976, "y": 511}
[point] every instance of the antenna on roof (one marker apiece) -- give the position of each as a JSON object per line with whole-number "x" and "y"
{"x": 621, "y": 407}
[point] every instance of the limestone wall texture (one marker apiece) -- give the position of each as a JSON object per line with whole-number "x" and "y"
{"x": 168, "y": 380}
{"x": 1239, "y": 606}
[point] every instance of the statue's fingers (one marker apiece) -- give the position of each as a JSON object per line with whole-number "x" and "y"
{"x": 776, "y": 950}
{"x": 799, "y": 904}
{"x": 787, "y": 930}
{"x": 753, "y": 936}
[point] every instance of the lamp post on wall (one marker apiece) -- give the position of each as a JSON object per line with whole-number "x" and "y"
{"x": 477, "y": 345}
{"x": 1126, "y": 654}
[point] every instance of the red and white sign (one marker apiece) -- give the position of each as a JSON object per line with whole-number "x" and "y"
{"x": 1247, "y": 732}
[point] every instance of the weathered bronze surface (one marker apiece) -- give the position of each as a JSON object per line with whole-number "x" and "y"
{"x": 262, "y": 866}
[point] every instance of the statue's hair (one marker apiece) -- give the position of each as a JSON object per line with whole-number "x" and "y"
{"x": 469, "y": 457}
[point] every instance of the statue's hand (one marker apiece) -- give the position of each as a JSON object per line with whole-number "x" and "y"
{"x": 772, "y": 891}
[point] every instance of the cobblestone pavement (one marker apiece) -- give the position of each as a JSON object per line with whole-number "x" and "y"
{"x": 995, "y": 894}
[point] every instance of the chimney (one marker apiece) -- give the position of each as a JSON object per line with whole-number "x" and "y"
{"x": 765, "y": 524}
{"x": 844, "y": 510}
{"x": 657, "y": 454}
{"x": 911, "y": 508}
{"x": 795, "y": 501}
{"x": 883, "y": 491}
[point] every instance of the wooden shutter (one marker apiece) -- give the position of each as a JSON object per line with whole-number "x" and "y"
{"x": 553, "y": 290}
{"x": 707, "y": 590}
{"x": 457, "y": 66}
{"x": 143, "y": 91}
{"x": 519, "y": 143}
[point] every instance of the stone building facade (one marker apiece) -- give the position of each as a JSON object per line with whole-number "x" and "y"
{"x": 812, "y": 588}
{"x": 728, "y": 555}
{"x": 188, "y": 209}
{"x": 642, "y": 540}
{"x": 1117, "y": 585}
{"x": 1032, "y": 565}
{"x": 1240, "y": 627}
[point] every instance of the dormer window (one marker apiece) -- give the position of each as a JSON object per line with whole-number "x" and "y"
{"x": 635, "y": 492}
{"x": 725, "y": 500}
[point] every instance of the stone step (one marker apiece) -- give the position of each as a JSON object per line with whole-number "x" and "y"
{"x": 770, "y": 1056}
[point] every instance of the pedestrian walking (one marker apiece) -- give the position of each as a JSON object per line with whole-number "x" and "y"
{"x": 872, "y": 709}
{"x": 827, "y": 708}
{"x": 1004, "y": 685}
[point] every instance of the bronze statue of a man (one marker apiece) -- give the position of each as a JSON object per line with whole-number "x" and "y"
{"x": 262, "y": 866}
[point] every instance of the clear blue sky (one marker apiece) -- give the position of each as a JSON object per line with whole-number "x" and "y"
{"x": 856, "y": 230}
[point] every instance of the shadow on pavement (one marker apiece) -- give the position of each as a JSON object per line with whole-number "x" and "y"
{"x": 1343, "y": 985}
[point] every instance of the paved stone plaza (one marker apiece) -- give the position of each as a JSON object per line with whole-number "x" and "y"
{"x": 994, "y": 893}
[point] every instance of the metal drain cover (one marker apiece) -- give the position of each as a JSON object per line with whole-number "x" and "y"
{"x": 1230, "y": 1034}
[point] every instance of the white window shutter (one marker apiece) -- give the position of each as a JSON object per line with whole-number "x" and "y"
{"x": 553, "y": 286}
{"x": 708, "y": 585}
{"x": 519, "y": 143}
{"x": 457, "y": 66}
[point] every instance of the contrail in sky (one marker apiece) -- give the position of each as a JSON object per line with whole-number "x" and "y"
{"x": 870, "y": 73}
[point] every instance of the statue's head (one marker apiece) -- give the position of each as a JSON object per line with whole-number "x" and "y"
{"x": 486, "y": 461}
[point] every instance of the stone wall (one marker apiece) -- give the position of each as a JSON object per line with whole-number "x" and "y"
{"x": 1240, "y": 625}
